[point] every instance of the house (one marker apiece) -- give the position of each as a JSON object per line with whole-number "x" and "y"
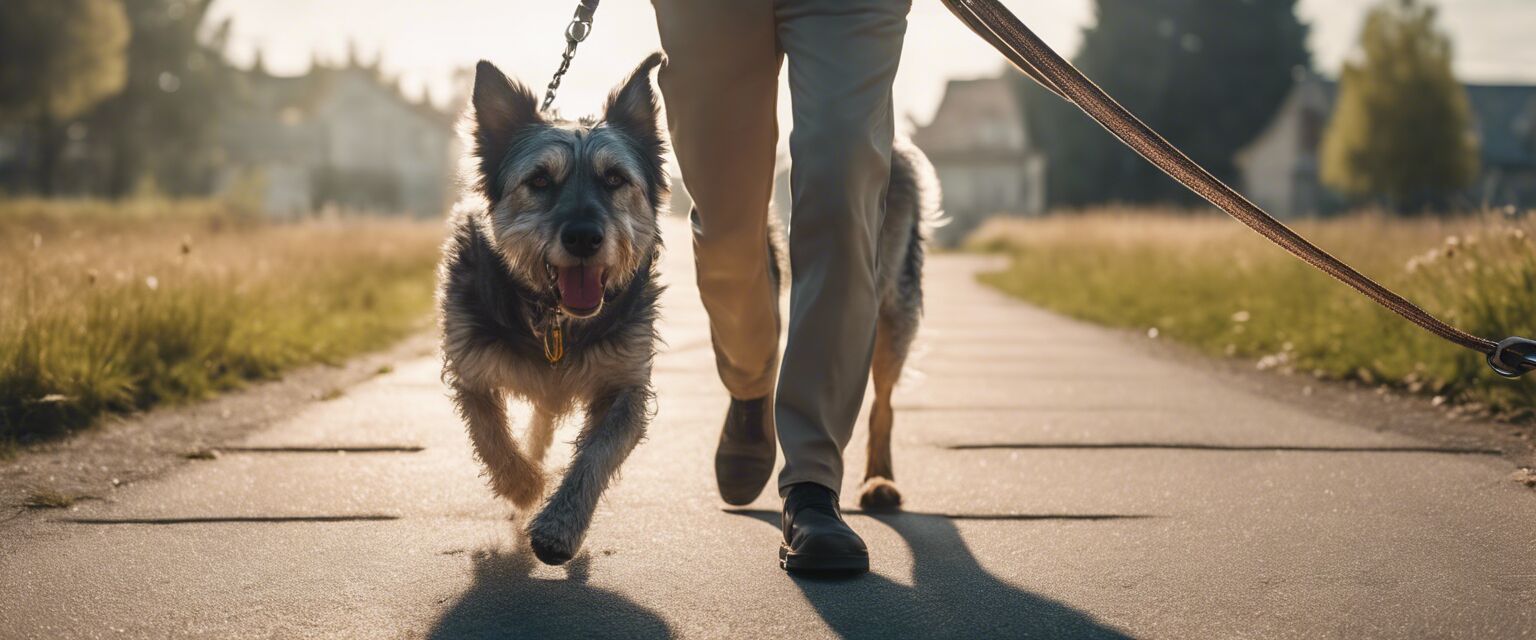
{"x": 339, "y": 137}
{"x": 1280, "y": 167}
{"x": 981, "y": 149}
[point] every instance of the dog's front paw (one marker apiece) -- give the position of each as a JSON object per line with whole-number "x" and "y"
{"x": 552, "y": 544}
{"x": 879, "y": 494}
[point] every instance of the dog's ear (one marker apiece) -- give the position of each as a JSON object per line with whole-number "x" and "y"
{"x": 632, "y": 107}
{"x": 502, "y": 108}
{"x": 632, "y": 110}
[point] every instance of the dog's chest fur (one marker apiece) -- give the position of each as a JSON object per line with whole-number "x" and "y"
{"x": 492, "y": 329}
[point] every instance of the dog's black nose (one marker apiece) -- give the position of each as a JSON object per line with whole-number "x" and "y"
{"x": 582, "y": 239}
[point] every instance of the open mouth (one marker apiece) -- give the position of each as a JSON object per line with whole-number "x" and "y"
{"x": 581, "y": 289}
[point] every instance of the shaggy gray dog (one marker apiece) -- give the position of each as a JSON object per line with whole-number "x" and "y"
{"x": 548, "y": 292}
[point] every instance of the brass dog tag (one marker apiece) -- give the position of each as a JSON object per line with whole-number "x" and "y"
{"x": 554, "y": 343}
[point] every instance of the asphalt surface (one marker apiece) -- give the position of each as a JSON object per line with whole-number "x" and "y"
{"x": 1059, "y": 483}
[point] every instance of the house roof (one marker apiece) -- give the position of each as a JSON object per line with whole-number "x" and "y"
{"x": 273, "y": 94}
{"x": 979, "y": 115}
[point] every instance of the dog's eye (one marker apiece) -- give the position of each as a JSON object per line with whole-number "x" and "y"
{"x": 539, "y": 182}
{"x": 614, "y": 180}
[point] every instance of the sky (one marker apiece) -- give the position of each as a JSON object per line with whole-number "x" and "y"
{"x": 424, "y": 42}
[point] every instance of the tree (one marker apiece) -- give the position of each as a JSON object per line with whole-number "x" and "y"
{"x": 1207, "y": 74}
{"x": 1401, "y": 128}
{"x": 163, "y": 126}
{"x": 58, "y": 58}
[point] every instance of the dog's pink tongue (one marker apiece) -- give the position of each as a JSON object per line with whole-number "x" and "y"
{"x": 581, "y": 287}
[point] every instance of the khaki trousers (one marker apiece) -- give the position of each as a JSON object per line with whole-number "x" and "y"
{"x": 720, "y": 88}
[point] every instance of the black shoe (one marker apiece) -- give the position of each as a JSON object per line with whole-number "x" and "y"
{"x": 745, "y": 455}
{"x": 815, "y": 536}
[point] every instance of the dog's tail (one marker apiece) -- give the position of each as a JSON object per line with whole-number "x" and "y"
{"x": 925, "y": 182}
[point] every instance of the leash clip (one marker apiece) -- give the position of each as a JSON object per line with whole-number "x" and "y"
{"x": 581, "y": 23}
{"x": 1514, "y": 357}
{"x": 575, "y": 32}
{"x": 578, "y": 29}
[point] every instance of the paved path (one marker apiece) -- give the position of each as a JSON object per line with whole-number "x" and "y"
{"x": 1046, "y": 498}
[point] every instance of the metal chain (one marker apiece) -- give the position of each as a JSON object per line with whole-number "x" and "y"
{"x": 575, "y": 32}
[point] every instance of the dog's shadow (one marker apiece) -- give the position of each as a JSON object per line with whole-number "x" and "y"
{"x": 506, "y": 601}
{"x": 952, "y": 596}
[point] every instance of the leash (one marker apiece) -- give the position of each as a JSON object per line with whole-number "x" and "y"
{"x": 1511, "y": 357}
{"x": 575, "y": 33}
{"x": 552, "y": 337}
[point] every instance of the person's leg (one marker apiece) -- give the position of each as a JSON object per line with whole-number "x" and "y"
{"x": 843, "y": 57}
{"x": 721, "y": 87}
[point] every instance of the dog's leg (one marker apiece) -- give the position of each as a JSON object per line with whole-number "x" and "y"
{"x": 879, "y": 491}
{"x": 615, "y": 423}
{"x": 513, "y": 475}
{"x": 541, "y": 431}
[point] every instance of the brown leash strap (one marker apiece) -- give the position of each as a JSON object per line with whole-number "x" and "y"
{"x": 999, "y": 27}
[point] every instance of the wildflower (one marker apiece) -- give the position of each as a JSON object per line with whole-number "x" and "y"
{"x": 1272, "y": 361}
{"x": 1241, "y": 316}
{"x": 152, "y": 282}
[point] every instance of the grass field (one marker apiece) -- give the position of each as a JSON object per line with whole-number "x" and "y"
{"x": 110, "y": 308}
{"x": 1210, "y": 282}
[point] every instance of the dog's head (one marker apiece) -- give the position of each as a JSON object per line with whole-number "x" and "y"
{"x": 573, "y": 204}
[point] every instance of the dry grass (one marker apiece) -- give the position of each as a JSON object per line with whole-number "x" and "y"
{"x": 1210, "y": 282}
{"x": 115, "y": 308}
{"x": 52, "y": 499}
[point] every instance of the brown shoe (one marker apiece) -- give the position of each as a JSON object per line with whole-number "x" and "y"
{"x": 747, "y": 450}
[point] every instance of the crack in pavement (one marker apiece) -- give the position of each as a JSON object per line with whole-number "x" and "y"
{"x": 324, "y": 449}
{"x": 375, "y": 517}
{"x": 1187, "y": 446}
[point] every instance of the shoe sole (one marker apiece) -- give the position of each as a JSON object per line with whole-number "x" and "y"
{"x": 790, "y": 561}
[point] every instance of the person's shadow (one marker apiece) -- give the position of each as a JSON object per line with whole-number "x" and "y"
{"x": 505, "y": 601}
{"x": 952, "y": 596}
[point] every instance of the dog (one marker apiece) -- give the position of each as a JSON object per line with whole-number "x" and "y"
{"x": 548, "y": 292}
{"x": 911, "y": 211}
